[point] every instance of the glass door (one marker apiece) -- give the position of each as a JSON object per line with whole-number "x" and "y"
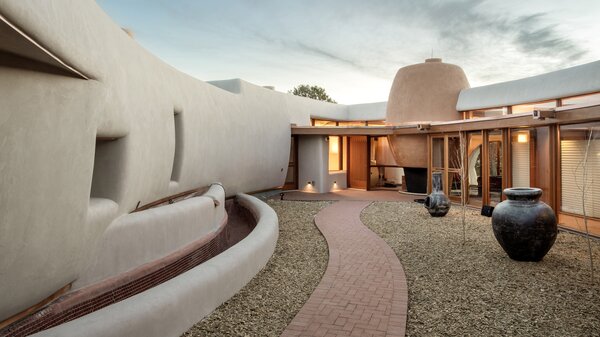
{"x": 438, "y": 158}
{"x": 474, "y": 165}
{"x": 446, "y": 158}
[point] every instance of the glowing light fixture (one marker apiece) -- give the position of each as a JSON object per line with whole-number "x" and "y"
{"x": 522, "y": 138}
{"x": 334, "y": 145}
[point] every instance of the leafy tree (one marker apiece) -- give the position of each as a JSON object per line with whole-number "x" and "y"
{"x": 312, "y": 91}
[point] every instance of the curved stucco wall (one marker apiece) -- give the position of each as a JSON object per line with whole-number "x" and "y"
{"x": 137, "y": 238}
{"x": 425, "y": 92}
{"x": 55, "y": 205}
{"x": 572, "y": 81}
{"x": 170, "y": 308}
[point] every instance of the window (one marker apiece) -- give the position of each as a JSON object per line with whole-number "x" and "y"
{"x": 384, "y": 173}
{"x": 335, "y": 153}
{"x": 320, "y": 122}
{"x": 521, "y": 158}
{"x": 526, "y": 108}
{"x": 353, "y": 123}
{"x": 437, "y": 153}
{"x": 583, "y": 99}
{"x": 493, "y": 112}
{"x": 580, "y": 168}
{"x": 495, "y": 166}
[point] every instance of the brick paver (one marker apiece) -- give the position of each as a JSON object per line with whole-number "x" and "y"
{"x": 363, "y": 291}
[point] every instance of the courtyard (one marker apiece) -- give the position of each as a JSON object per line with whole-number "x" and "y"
{"x": 455, "y": 287}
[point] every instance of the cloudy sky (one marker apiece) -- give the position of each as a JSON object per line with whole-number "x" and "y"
{"x": 353, "y": 48}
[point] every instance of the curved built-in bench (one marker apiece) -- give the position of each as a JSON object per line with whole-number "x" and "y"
{"x": 170, "y": 308}
{"x": 137, "y": 281}
{"x": 140, "y": 237}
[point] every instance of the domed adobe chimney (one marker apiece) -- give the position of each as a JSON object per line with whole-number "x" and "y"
{"x": 426, "y": 92}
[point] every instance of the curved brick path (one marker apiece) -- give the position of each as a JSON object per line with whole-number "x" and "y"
{"x": 363, "y": 291}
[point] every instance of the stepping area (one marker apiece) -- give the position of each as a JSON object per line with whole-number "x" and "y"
{"x": 363, "y": 291}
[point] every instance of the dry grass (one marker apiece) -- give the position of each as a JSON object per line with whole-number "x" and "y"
{"x": 475, "y": 289}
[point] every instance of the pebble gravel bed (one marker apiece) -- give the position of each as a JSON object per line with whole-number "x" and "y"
{"x": 472, "y": 288}
{"x": 269, "y": 302}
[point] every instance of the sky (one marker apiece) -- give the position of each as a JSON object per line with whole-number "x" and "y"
{"x": 353, "y": 48}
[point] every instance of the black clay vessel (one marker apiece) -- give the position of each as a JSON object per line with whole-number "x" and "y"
{"x": 524, "y": 226}
{"x": 437, "y": 203}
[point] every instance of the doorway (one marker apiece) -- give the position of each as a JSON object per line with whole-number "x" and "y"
{"x": 446, "y": 158}
{"x": 358, "y": 164}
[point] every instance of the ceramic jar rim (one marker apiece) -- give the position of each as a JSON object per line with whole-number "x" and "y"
{"x": 523, "y": 192}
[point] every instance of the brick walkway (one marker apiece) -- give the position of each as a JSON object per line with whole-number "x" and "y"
{"x": 363, "y": 291}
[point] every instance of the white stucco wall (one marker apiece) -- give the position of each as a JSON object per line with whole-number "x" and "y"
{"x": 172, "y": 307}
{"x": 312, "y": 163}
{"x": 572, "y": 81}
{"x": 138, "y": 238}
{"x": 60, "y": 191}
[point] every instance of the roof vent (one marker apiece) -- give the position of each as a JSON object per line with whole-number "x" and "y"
{"x": 434, "y": 60}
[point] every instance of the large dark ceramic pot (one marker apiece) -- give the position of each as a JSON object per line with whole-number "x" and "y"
{"x": 524, "y": 226}
{"x": 437, "y": 203}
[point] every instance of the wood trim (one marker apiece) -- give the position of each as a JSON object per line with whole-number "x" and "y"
{"x": 348, "y": 152}
{"x": 465, "y": 168}
{"x": 575, "y": 223}
{"x": 172, "y": 198}
{"x": 429, "y": 162}
{"x": 533, "y": 158}
{"x": 344, "y": 130}
{"x": 485, "y": 170}
{"x": 556, "y": 147}
{"x": 341, "y": 152}
{"x": 35, "y": 307}
{"x": 446, "y": 166}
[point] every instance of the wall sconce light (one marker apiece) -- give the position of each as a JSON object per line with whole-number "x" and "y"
{"x": 335, "y": 182}
{"x": 423, "y": 127}
{"x": 311, "y": 182}
{"x": 543, "y": 113}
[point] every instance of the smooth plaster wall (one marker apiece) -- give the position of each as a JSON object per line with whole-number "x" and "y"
{"x": 137, "y": 238}
{"x": 313, "y": 161}
{"x": 572, "y": 81}
{"x": 59, "y": 191}
{"x": 367, "y": 111}
{"x": 170, "y": 308}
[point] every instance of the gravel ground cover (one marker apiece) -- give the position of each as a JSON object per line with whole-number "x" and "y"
{"x": 269, "y": 302}
{"x": 474, "y": 289}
